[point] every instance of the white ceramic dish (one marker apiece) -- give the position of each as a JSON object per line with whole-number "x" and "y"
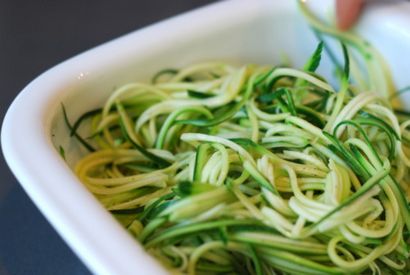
{"x": 239, "y": 31}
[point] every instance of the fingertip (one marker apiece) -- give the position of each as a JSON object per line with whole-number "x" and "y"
{"x": 348, "y": 12}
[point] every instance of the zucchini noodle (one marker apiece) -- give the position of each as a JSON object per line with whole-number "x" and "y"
{"x": 218, "y": 169}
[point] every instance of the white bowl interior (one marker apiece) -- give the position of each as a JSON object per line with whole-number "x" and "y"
{"x": 239, "y": 32}
{"x": 262, "y": 33}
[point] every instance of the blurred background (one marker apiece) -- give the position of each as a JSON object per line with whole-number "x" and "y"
{"x": 34, "y": 36}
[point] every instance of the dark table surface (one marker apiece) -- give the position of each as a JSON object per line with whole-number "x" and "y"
{"x": 35, "y": 35}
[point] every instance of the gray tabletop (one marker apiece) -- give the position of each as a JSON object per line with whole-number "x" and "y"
{"x": 35, "y": 35}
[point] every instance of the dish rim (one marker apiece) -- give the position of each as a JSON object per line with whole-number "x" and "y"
{"x": 54, "y": 205}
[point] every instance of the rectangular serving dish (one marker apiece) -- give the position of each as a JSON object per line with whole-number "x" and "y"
{"x": 237, "y": 31}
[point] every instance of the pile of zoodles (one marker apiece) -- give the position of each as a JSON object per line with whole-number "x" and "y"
{"x": 217, "y": 169}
